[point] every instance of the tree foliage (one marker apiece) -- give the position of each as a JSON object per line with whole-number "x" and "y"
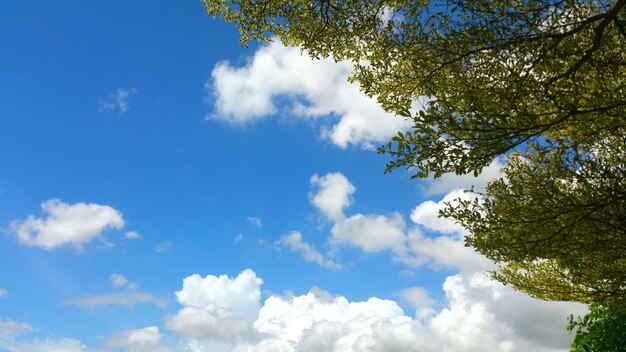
{"x": 540, "y": 81}
{"x": 602, "y": 330}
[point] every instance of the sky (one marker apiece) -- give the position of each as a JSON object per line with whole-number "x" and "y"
{"x": 164, "y": 189}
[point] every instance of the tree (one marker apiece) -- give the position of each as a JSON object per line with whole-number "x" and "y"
{"x": 602, "y": 330}
{"x": 542, "y": 82}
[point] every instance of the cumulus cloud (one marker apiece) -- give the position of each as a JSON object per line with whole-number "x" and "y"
{"x": 117, "y": 101}
{"x": 332, "y": 195}
{"x": 66, "y": 224}
{"x": 217, "y": 308}
{"x": 306, "y": 89}
{"x": 137, "y": 340}
{"x": 294, "y": 242}
{"x": 372, "y": 233}
{"x": 442, "y": 252}
{"x": 417, "y": 297}
{"x": 426, "y": 214}
{"x": 241, "y": 294}
{"x": 477, "y": 315}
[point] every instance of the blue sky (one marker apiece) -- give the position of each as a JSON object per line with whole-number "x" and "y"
{"x": 164, "y": 189}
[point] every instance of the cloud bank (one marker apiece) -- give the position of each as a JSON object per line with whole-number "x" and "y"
{"x": 225, "y": 314}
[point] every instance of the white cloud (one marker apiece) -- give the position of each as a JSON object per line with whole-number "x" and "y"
{"x": 12, "y": 340}
{"x": 217, "y": 308}
{"x": 371, "y": 233}
{"x": 293, "y": 241}
{"x": 482, "y": 312}
{"x": 44, "y": 345}
{"x": 117, "y": 101}
{"x": 478, "y": 315}
{"x": 307, "y": 89}
{"x": 442, "y": 252}
{"x": 132, "y": 235}
{"x": 210, "y": 323}
{"x": 255, "y": 221}
{"x": 66, "y": 224}
{"x": 417, "y": 297}
{"x": 3, "y": 292}
{"x": 241, "y": 295}
{"x": 12, "y": 328}
{"x": 426, "y": 214}
{"x": 120, "y": 281}
{"x": 139, "y": 340}
{"x": 333, "y": 194}
{"x": 450, "y": 181}
{"x": 164, "y": 246}
{"x": 374, "y": 232}
{"x": 287, "y": 318}
{"x": 127, "y": 299}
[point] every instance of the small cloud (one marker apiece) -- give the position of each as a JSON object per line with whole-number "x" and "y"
{"x": 294, "y": 243}
{"x": 124, "y": 299}
{"x": 132, "y": 235}
{"x": 118, "y": 280}
{"x": 67, "y": 224}
{"x": 163, "y": 246}
{"x": 117, "y": 101}
{"x": 3, "y": 292}
{"x": 255, "y": 221}
{"x": 239, "y": 237}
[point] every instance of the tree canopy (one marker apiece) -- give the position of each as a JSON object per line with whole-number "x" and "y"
{"x": 602, "y": 330}
{"x": 541, "y": 82}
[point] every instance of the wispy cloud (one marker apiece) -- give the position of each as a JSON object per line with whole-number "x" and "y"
{"x": 120, "y": 281}
{"x": 129, "y": 297}
{"x": 132, "y": 235}
{"x": 3, "y": 292}
{"x": 12, "y": 328}
{"x": 117, "y": 101}
{"x": 125, "y": 299}
{"x": 253, "y": 220}
{"x": 295, "y": 243}
{"x": 163, "y": 247}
